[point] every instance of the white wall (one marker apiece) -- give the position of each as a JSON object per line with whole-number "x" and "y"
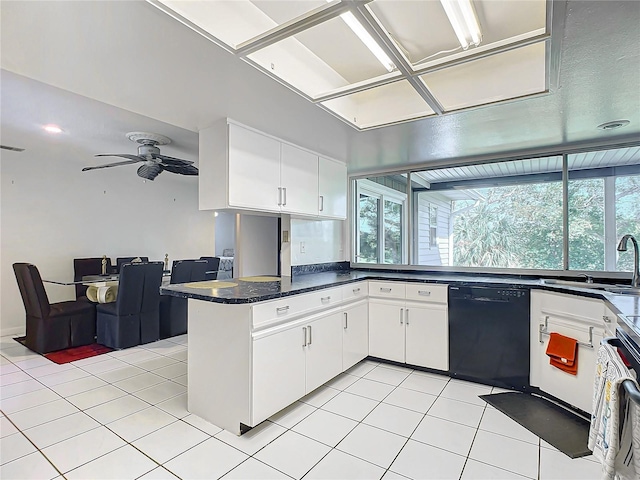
{"x": 256, "y": 246}
{"x": 51, "y": 212}
{"x": 225, "y": 232}
{"x": 324, "y": 241}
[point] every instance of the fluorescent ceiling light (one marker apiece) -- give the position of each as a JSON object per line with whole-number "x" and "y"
{"x": 367, "y": 39}
{"x": 462, "y": 17}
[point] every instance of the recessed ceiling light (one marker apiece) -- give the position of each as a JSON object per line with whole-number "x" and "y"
{"x": 52, "y": 128}
{"x": 613, "y": 125}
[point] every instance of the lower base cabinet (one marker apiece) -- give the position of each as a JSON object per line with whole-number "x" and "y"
{"x": 355, "y": 334}
{"x": 407, "y": 332}
{"x": 291, "y": 361}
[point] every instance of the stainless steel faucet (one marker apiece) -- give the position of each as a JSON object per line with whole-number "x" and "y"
{"x": 622, "y": 247}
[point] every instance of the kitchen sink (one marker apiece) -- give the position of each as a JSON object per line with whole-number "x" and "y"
{"x": 618, "y": 289}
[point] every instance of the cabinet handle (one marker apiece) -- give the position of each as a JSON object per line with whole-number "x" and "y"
{"x": 346, "y": 319}
{"x": 304, "y": 336}
{"x": 325, "y": 299}
{"x": 309, "y": 327}
{"x": 356, "y": 290}
{"x": 284, "y": 202}
{"x": 406, "y": 317}
{"x": 321, "y": 203}
{"x": 279, "y": 196}
{"x": 401, "y": 313}
{"x": 424, "y": 293}
{"x": 606, "y": 319}
{"x": 284, "y": 309}
{"x": 385, "y": 290}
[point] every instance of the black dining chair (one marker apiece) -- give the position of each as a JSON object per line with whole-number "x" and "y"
{"x": 134, "y": 318}
{"x": 173, "y": 310}
{"x": 213, "y": 265}
{"x": 87, "y": 266}
{"x": 52, "y": 326}
{"x": 122, "y": 260}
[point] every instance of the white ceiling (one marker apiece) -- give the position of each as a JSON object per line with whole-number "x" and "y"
{"x": 132, "y": 56}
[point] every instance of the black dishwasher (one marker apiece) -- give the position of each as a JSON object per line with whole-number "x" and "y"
{"x": 489, "y": 335}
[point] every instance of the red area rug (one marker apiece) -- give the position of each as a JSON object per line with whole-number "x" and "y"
{"x": 71, "y": 354}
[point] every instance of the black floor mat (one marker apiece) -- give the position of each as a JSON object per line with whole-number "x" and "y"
{"x": 558, "y": 426}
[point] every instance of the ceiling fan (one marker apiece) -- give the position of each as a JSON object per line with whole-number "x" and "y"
{"x": 148, "y": 153}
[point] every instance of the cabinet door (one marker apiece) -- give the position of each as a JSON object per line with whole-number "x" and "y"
{"x": 332, "y": 188}
{"x": 610, "y": 321}
{"x": 254, "y": 170}
{"x": 355, "y": 335}
{"x": 427, "y": 336}
{"x": 576, "y": 390}
{"x": 278, "y": 372}
{"x": 299, "y": 180}
{"x": 386, "y": 330}
{"x": 324, "y": 350}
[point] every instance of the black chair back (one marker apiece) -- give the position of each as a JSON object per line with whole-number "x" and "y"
{"x": 122, "y": 260}
{"x": 138, "y": 287}
{"x": 34, "y": 296}
{"x": 212, "y": 267}
{"x": 87, "y": 266}
{"x": 184, "y": 271}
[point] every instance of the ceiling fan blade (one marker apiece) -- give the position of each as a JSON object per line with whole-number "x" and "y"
{"x": 135, "y": 158}
{"x": 116, "y": 164}
{"x": 181, "y": 169}
{"x": 149, "y": 171}
{"x": 172, "y": 160}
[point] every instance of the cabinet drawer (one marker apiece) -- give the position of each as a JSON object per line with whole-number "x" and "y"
{"x": 355, "y": 291}
{"x": 427, "y": 292}
{"x": 265, "y": 313}
{"x": 387, "y": 289}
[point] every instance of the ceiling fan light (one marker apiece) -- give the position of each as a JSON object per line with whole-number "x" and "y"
{"x": 368, "y": 40}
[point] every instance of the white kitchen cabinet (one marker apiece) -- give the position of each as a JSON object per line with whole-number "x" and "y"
{"x": 332, "y": 189}
{"x": 610, "y": 320}
{"x": 409, "y": 331}
{"x": 278, "y": 371}
{"x": 294, "y": 359}
{"x": 576, "y": 317}
{"x": 427, "y": 335}
{"x": 254, "y": 170}
{"x": 298, "y": 180}
{"x": 244, "y": 169}
{"x": 386, "y": 329}
{"x": 355, "y": 334}
{"x": 323, "y": 353}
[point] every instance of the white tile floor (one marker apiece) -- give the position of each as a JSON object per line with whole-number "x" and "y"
{"x": 124, "y": 415}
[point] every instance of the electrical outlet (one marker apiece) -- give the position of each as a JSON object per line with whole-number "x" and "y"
{"x": 302, "y": 247}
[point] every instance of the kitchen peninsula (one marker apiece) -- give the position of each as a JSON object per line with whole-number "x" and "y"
{"x": 258, "y": 344}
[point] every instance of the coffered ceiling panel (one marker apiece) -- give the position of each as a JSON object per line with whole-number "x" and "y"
{"x": 504, "y": 76}
{"x": 236, "y": 21}
{"x": 381, "y": 105}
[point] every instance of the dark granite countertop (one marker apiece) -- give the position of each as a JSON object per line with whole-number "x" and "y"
{"x": 247, "y": 291}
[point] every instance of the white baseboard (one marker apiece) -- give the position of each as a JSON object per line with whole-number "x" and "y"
{"x": 12, "y": 331}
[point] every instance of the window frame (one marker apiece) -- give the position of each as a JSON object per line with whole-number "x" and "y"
{"x": 564, "y": 153}
{"x": 375, "y": 190}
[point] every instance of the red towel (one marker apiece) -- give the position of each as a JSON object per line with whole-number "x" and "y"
{"x": 563, "y": 353}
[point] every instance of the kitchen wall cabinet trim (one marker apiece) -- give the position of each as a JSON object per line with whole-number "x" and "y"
{"x": 247, "y": 170}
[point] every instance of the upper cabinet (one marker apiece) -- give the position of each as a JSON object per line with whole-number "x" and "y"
{"x": 332, "y": 188}
{"x": 243, "y": 169}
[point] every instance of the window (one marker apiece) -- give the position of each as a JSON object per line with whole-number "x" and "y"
{"x": 381, "y": 210}
{"x": 433, "y": 226}
{"x": 511, "y": 215}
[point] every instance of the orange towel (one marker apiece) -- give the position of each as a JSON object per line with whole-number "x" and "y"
{"x": 563, "y": 353}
